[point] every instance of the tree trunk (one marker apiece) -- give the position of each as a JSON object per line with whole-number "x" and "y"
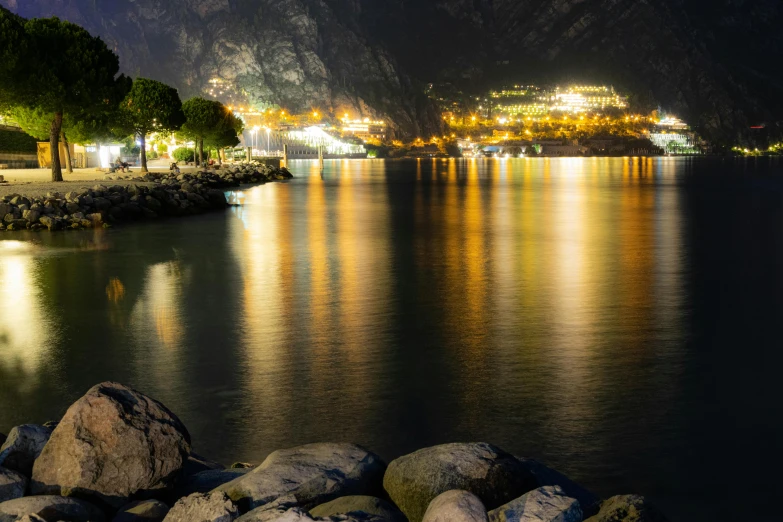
{"x": 54, "y": 144}
{"x": 143, "y": 140}
{"x": 68, "y": 164}
{"x": 201, "y": 152}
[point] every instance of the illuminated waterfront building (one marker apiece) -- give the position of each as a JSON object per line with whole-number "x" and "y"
{"x": 674, "y": 142}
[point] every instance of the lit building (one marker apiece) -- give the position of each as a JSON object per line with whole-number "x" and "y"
{"x": 587, "y": 98}
{"x": 530, "y": 101}
{"x": 364, "y": 129}
{"x": 673, "y": 123}
{"x": 675, "y": 142}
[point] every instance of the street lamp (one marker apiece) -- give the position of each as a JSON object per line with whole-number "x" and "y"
{"x": 268, "y": 132}
{"x": 253, "y": 134}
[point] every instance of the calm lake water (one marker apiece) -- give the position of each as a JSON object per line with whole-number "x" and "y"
{"x": 618, "y": 319}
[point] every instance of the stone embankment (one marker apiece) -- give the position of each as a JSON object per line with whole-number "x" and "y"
{"x": 118, "y": 455}
{"x": 150, "y": 197}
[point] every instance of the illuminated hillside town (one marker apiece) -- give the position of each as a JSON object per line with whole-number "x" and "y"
{"x": 514, "y": 121}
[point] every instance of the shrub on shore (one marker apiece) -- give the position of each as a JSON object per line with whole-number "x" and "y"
{"x": 183, "y": 154}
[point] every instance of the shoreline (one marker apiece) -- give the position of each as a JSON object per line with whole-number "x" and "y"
{"x": 120, "y": 455}
{"x": 76, "y": 205}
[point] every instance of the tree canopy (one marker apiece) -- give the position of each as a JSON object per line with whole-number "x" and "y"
{"x": 211, "y": 122}
{"x": 13, "y": 48}
{"x": 151, "y": 106}
{"x": 51, "y": 66}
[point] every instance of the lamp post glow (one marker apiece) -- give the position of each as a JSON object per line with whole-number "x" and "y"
{"x": 253, "y": 142}
{"x": 268, "y": 132}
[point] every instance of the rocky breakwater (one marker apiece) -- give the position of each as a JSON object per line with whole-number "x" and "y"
{"x": 118, "y": 455}
{"x": 150, "y": 197}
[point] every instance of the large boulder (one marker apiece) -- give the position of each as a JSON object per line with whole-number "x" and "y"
{"x": 546, "y": 476}
{"x": 359, "y": 504}
{"x": 197, "y": 463}
{"x": 199, "y": 507}
{"x": 12, "y": 484}
{"x": 284, "y": 510}
{"x": 313, "y": 474}
{"x": 113, "y": 445}
{"x": 142, "y": 511}
{"x": 456, "y": 506}
{"x": 627, "y": 508}
{"x": 50, "y": 508}
{"x": 23, "y": 445}
{"x": 546, "y": 504}
{"x": 206, "y": 481}
{"x": 414, "y": 480}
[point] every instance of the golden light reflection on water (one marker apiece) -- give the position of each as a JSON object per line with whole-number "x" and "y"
{"x": 25, "y": 324}
{"x": 457, "y": 283}
{"x": 115, "y": 291}
{"x": 159, "y": 324}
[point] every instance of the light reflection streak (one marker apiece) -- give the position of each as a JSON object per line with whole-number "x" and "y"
{"x": 25, "y": 325}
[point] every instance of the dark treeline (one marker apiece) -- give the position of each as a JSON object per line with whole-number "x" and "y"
{"x": 59, "y": 83}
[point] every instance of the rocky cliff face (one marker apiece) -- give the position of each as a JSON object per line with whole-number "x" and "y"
{"x": 299, "y": 54}
{"x": 713, "y": 62}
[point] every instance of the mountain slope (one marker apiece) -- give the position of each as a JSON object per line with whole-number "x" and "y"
{"x": 295, "y": 53}
{"x": 712, "y": 62}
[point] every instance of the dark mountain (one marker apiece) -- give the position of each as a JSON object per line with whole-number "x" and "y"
{"x": 714, "y": 63}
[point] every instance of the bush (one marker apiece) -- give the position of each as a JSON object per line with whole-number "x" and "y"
{"x": 183, "y": 154}
{"x": 130, "y": 151}
{"x": 151, "y": 155}
{"x": 17, "y": 141}
{"x": 162, "y": 148}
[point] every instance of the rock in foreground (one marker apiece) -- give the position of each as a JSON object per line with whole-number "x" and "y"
{"x": 359, "y": 504}
{"x": 51, "y": 508}
{"x": 314, "y": 474}
{"x": 12, "y": 484}
{"x": 120, "y": 455}
{"x": 546, "y": 476}
{"x": 142, "y": 511}
{"x": 627, "y": 508}
{"x": 456, "y": 506}
{"x": 212, "y": 507}
{"x": 546, "y": 504}
{"x": 490, "y": 473}
{"x": 22, "y": 446}
{"x": 113, "y": 445}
